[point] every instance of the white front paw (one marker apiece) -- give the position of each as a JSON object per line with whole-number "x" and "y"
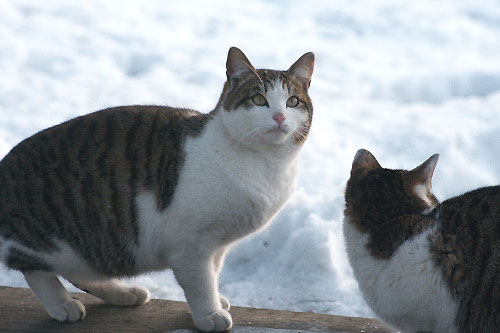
{"x": 142, "y": 295}
{"x": 224, "y": 303}
{"x": 218, "y": 321}
{"x": 71, "y": 310}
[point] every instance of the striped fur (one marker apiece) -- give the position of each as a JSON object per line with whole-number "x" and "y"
{"x": 77, "y": 181}
{"x": 135, "y": 189}
{"x": 423, "y": 265}
{"x": 467, "y": 249}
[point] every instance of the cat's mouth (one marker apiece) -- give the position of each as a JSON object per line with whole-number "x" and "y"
{"x": 278, "y": 129}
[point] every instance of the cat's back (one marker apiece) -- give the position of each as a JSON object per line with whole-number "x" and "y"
{"x": 100, "y": 144}
{"x": 469, "y": 227}
{"x": 477, "y": 205}
{"x": 466, "y": 247}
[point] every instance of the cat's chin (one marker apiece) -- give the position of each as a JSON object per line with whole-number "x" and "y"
{"x": 278, "y": 131}
{"x": 272, "y": 137}
{"x": 277, "y": 135}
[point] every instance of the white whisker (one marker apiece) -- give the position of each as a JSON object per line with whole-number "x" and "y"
{"x": 250, "y": 134}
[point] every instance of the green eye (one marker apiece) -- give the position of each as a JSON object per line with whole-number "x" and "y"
{"x": 292, "y": 102}
{"x": 259, "y": 100}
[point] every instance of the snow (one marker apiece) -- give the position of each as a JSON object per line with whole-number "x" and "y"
{"x": 402, "y": 79}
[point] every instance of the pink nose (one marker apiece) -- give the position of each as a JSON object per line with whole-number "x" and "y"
{"x": 279, "y": 117}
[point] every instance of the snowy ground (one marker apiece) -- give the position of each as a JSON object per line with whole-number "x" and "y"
{"x": 402, "y": 79}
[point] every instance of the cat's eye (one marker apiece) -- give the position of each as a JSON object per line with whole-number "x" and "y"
{"x": 292, "y": 102}
{"x": 259, "y": 100}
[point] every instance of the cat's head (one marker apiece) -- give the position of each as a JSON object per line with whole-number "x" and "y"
{"x": 374, "y": 192}
{"x": 261, "y": 106}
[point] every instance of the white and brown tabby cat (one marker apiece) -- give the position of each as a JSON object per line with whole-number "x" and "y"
{"x": 135, "y": 189}
{"x": 421, "y": 265}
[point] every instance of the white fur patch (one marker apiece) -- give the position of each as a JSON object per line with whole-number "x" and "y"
{"x": 421, "y": 191}
{"x": 151, "y": 252}
{"x": 407, "y": 290}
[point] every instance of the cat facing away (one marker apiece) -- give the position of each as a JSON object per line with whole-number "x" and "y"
{"x": 421, "y": 265}
{"x": 135, "y": 189}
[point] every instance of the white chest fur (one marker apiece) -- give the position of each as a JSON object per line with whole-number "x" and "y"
{"x": 407, "y": 290}
{"x": 225, "y": 192}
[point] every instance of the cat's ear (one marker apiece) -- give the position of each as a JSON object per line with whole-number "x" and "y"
{"x": 238, "y": 65}
{"x": 423, "y": 173}
{"x": 303, "y": 68}
{"x": 365, "y": 161}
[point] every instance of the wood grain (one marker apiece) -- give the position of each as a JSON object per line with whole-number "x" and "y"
{"x": 21, "y": 311}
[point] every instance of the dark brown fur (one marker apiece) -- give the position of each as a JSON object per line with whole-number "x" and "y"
{"x": 381, "y": 202}
{"x": 467, "y": 248}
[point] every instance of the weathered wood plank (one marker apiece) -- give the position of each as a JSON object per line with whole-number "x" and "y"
{"x": 21, "y": 311}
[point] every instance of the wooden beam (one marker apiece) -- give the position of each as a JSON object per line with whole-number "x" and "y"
{"x": 21, "y": 311}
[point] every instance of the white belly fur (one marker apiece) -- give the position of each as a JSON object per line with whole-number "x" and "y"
{"x": 407, "y": 290}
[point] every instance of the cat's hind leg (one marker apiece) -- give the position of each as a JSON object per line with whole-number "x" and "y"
{"x": 54, "y": 297}
{"x": 115, "y": 292}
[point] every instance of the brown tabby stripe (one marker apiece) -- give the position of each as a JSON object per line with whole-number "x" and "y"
{"x": 24, "y": 262}
{"x": 132, "y": 161}
{"x": 40, "y": 241}
{"x": 148, "y": 160}
{"x": 467, "y": 248}
{"x": 77, "y": 182}
{"x": 109, "y": 141}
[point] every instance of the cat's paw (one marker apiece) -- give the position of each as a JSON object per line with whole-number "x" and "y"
{"x": 133, "y": 295}
{"x": 218, "y": 321}
{"x": 142, "y": 294}
{"x": 71, "y": 310}
{"x": 224, "y": 303}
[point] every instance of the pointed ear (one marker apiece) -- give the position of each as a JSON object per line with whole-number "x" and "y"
{"x": 423, "y": 173}
{"x": 365, "y": 160}
{"x": 303, "y": 68}
{"x": 237, "y": 65}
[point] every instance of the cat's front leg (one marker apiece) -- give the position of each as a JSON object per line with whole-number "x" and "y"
{"x": 195, "y": 272}
{"x": 220, "y": 255}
